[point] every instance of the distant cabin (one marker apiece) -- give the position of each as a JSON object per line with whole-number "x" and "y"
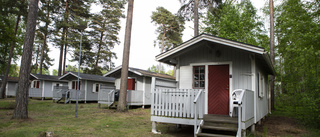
{"x": 140, "y": 84}
{"x": 11, "y": 87}
{"x": 42, "y": 85}
{"x": 88, "y": 87}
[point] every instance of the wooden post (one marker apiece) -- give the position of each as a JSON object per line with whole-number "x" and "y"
{"x": 154, "y": 128}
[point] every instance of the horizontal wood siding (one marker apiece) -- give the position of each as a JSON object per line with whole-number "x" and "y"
{"x": 208, "y": 53}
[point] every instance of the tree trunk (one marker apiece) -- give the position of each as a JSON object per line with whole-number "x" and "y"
{"x": 63, "y": 43}
{"x": 21, "y": 105}
{"x": 36, "y": 63}
{"x": 61, "y": 54}
{"x": 42, "y": 52}
{"x": 44, "y": 40}
{"x": 196, "y": 18}
{"x": 5, "y": 77}
{"x": 65, "y": 54}
{"x": 272, "y": 78}
{"x": 125, "y": 60}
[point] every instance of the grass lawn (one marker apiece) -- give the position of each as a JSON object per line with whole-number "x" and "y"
{"x": 46, "y": 116}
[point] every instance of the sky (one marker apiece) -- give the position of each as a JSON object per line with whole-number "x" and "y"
{"x": 142, "y": 49}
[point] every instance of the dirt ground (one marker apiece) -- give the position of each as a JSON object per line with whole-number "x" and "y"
{"x": 278, "y": 126}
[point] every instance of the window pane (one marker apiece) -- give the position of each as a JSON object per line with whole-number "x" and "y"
{"x": 202, "y": 77}
{"x": 196, "y": 77}
{"x": 202, "y": 84}
{"x": 196, "y": 84}
{"x": 196, "y": 69}
{"x": 97, "y": 87}
{"x": 202, "y": 69}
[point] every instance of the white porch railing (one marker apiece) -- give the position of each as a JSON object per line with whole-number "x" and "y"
{"x": 106, "y": 95}
{"x": 176, "y": 103}
{"x": 35, "y": 92}
{"x": 245, "y": 104}
{"x": 73, "y": 94}
{"x": 179, "y": 106}
{"x": 134, "y": 97}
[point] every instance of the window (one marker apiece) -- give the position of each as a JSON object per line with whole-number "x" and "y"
{"x": 261, "y": 86}
{"x": 96, "y": 87}
{"x": 199, "y": 77}
{"x": 35, "y": 84}
{"x": 75, "y": 85}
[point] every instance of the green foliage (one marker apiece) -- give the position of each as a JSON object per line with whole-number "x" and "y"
{"x": 170, "y": 28}
{"x": 73, "y": 68}
{"x": 298, "y": 33}
{"x": 237, "y": 21}
{"x": 156, "y": 69}
{"x": 187, "y": 7}
{"x": 55, "y": 72}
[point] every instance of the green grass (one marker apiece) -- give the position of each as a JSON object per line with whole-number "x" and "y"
{"x": 46, "y": 116}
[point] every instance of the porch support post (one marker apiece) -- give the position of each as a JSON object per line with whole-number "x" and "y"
{"x": 253, "y": 128}
{"x": 154, "y": 128}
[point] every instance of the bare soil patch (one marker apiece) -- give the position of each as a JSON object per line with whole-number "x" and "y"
{"x": 276, "y": 126}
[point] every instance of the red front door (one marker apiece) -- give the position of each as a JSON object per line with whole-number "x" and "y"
{"x": 131, "y": 84}
{"x": 218, "y": 89}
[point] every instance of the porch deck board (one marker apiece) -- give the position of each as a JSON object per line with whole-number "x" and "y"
{"x": 220, "y": 119}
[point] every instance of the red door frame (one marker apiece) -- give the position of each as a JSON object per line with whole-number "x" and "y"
{"x": 218, "y": 89}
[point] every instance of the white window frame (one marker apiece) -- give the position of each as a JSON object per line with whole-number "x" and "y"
{"x": 261, "y": 86}
{"x": 94, "y": 87}
{"x": 32, "y": 84}
{"x": 76, "y": 84}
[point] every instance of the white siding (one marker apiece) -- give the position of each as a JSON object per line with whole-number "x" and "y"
{"x": 117, "y": 83}
{"x": 262, "y": 103}
{"x": 185, "y": 77}
{"x": 241, "y": 64}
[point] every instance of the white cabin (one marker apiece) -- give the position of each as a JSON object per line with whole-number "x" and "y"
{"x": 140, "y": 84}
{"x": 214, "y": 67}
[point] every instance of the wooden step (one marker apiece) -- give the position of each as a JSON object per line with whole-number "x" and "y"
{"x": 220, "y": 119}
{"x": 220, "y": 128}
{"x": 212, "y": 135}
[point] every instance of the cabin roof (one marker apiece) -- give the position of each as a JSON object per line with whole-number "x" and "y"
{"x": 140, "y": 72}
{"x": 11, "y": 79}
{"x": 44, "y": 77}
{"x": 83, "y": 76}
{"x": 167, "y": 57}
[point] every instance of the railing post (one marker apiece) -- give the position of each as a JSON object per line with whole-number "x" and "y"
{"x": 239, "y": 120}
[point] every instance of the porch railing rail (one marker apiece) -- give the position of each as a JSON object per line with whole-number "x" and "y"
{"x": 106, "y": 95}
{"x": 198, "y": 107}
{"x": 245, "y": 110}
{"x": 35, "y": 92}
{"x": 177, "y": 103}
{"x": 73, "y": 94}
{"x": 134, "y": 97}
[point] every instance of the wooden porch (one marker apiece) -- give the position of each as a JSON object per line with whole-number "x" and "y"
{"x": 186, "y": 107}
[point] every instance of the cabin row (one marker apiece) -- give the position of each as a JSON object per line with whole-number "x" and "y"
{"x": 219, "y": 84}
{"x": 91, "y": 87}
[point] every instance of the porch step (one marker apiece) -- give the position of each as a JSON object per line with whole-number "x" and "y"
{"x": 219, "y": 125}
{"x": 212, "y": 135}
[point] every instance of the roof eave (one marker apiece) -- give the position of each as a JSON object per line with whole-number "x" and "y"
{"x": 197, "y": 39}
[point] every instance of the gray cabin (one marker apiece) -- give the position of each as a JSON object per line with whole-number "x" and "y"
{"x": 11, "y": 86}
{"x": 140, "y": 84}
{"x": 221, "y": 82}
{"x": 42, "y": 86}
{"x": 89, "y": 86}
